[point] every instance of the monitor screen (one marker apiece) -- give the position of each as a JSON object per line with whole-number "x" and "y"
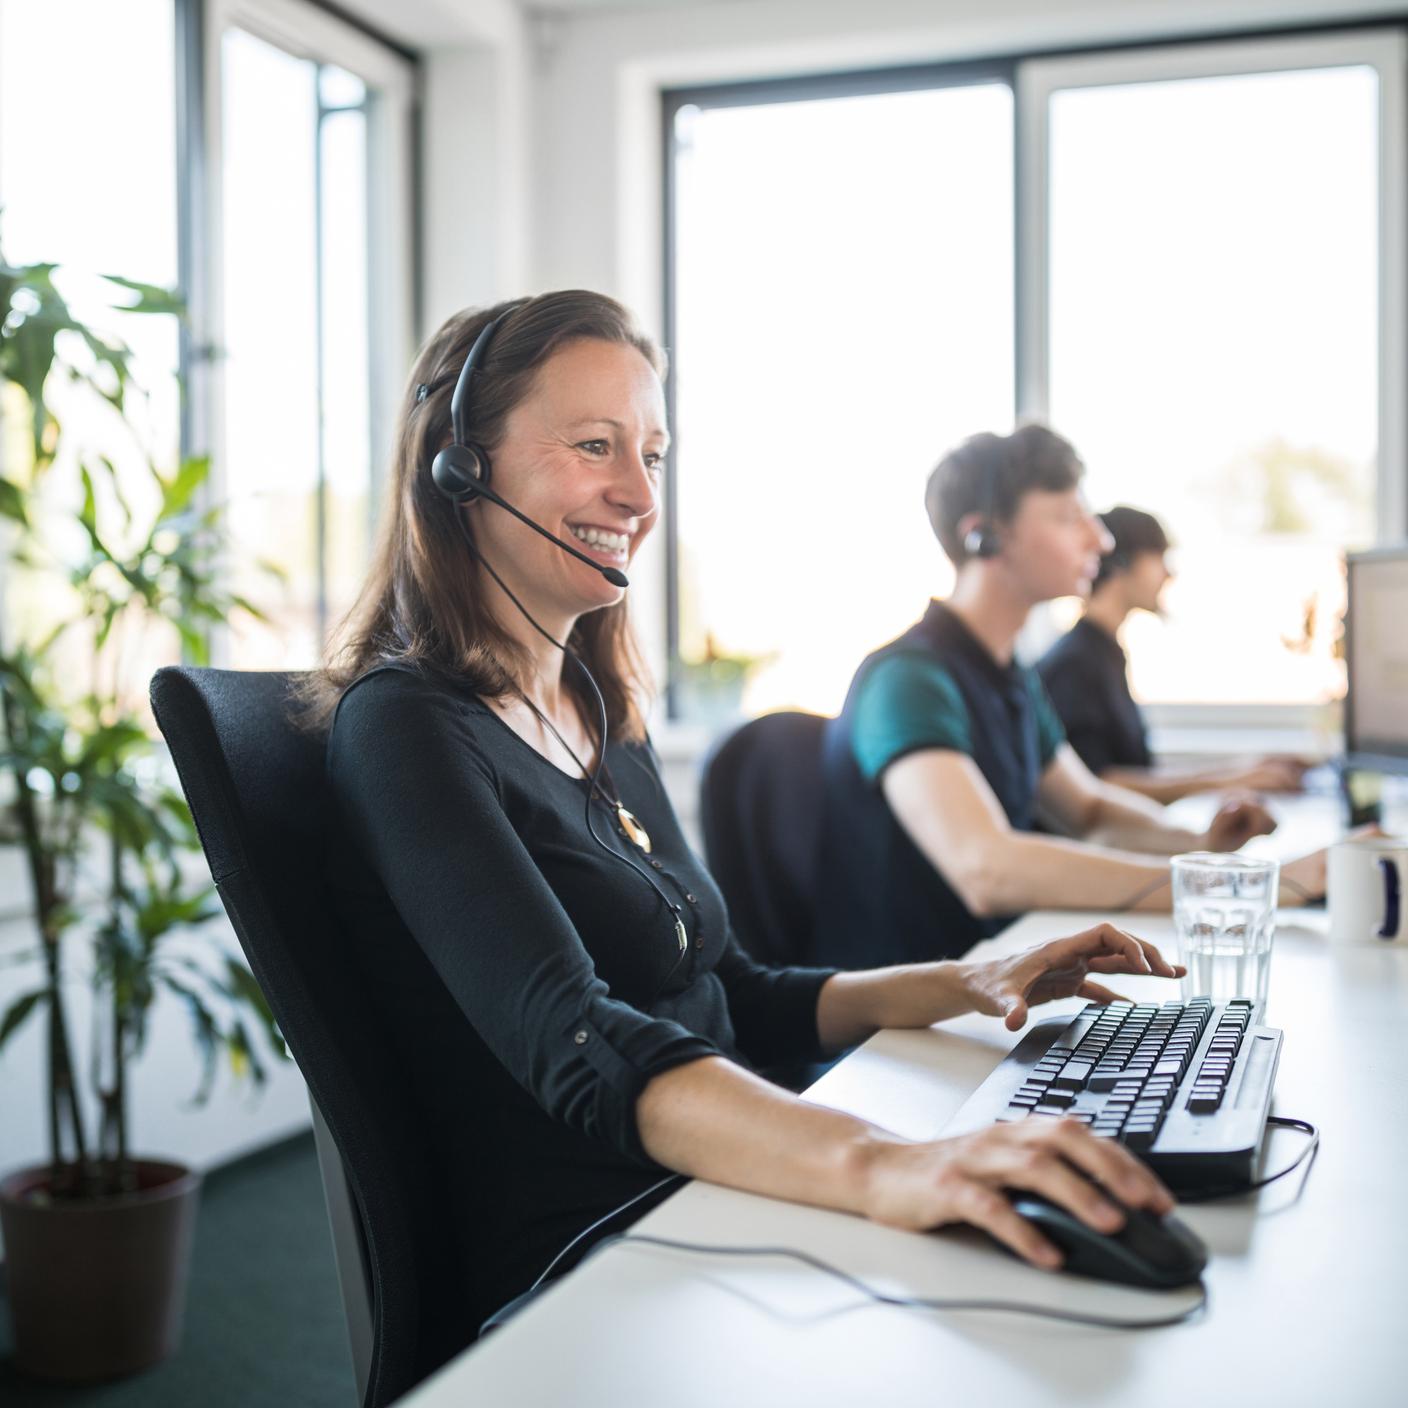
{"x": 1376, "y": 653}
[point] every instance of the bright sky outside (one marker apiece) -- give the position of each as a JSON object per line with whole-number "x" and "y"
{"x": 1213, "y": 288}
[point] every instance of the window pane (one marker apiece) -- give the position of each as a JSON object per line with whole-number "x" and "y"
{"x": 270, "y": 352}
{"x": 296, "y": 366}
{"x": 346, "y": 386}
{"x": 844, "y": 314}
{"x": 88, "y": 181}
{"x": 1213, "y": 268}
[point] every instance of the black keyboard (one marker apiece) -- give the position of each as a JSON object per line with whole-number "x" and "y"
{"x": 1185, "y": 1086}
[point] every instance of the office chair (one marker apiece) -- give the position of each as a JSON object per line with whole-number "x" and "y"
{"x": 760, "y": 811}
{"x": 256, "y": 788}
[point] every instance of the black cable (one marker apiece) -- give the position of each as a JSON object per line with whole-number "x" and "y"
{"x": 1209, "y": 1195}
{"x": 594, "y": 779}
{"x": 601, "y": 1222}
{"x": 1013, "y": 1307}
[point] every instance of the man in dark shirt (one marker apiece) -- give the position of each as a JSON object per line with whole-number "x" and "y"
{"x": 947, "y": 748}
{"x": 1085, "y": 674}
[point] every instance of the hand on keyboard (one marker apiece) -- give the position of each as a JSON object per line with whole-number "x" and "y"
{"x": 1007, "y": 987}
{"x": 923, "y": 1186}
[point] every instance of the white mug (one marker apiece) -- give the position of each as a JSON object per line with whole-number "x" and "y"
{"x": 1366, "y": 892}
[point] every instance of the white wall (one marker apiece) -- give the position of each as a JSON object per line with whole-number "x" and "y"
{"x": 596, "y": 170}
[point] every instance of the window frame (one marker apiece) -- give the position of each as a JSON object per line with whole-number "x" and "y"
{"x": 308, "y": 31}
{"x": 753, "y": 93}
{"x": 1034, "y": 76}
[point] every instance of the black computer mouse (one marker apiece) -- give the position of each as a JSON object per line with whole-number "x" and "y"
{"x": 1151, "y": 1251}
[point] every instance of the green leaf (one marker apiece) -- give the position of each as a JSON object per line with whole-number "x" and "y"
{"x": 196, "y": 644}
{"x": 242, "y": 982}
{"x": 19, "y": 1010}
{"x": 12, "y": 502}
{"x": 151, "y": 298}
{"x": 177, "y": 492}
{"x": 207, "y": 1035}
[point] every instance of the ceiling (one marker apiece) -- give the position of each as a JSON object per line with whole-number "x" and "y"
{"x": 421, "y": 24}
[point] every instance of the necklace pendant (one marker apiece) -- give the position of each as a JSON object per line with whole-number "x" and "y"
{"x": 635, "y": 832}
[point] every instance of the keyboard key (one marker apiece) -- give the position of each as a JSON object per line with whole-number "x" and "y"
{"x": 1049, "y": 1110}
{"x": 1204, "y": 1102}
{"x": 1105, "y": 1079}
{"x": 1059, "y": 1097}
{"x": 1074, "y": 1076}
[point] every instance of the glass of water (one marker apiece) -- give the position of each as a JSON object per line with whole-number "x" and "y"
{"x": 1224, "y": 909}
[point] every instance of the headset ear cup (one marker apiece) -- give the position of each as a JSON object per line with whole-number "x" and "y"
{"x": 459, "y": 471}
{"x": 982, "y": 541}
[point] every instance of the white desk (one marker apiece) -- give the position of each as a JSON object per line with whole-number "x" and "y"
{"x": 1308, "y": 1288}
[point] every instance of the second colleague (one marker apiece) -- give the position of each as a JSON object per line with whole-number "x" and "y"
{"x": 948, "y": 770}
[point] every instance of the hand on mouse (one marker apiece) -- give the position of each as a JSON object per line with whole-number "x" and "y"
{"x": 1007, "y": 987}
{"x": 923, "y": 1186}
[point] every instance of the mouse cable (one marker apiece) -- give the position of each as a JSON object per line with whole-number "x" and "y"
{"x": 601, "y": 1222}
{"x": 1013, "y": 1307}
{"x": 1211, "y": 1195}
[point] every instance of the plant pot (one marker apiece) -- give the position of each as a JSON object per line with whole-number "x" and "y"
{"x": 97, "y": 1288}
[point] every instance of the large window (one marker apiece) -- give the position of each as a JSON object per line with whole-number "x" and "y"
{"x": 94, "y": 198}
{"x": 843, "y": 308}
{"x": 1215, "y": 345}
{"x": 310, "y": 139}
{"x": 1208, "y": 301}
{"x": 288, "y": 225}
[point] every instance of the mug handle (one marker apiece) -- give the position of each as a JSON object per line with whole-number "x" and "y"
{"x": 1393, "y": 898}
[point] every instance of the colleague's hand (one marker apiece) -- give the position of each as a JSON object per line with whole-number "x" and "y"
{"x": 1276, "y": 774}
{"x": 922, "y": 1186}
{"x": 1238, "y": 819}
{"x": 1302, "y": 880}
{"x": 1007, "y": 987}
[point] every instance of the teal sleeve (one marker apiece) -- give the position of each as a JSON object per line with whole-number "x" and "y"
{"x": 905, "y": 703}
{"x": 1050, "y": 731}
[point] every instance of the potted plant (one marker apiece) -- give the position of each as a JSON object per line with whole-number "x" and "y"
{"x": 711, "y": 686}
{"x": 97, "y": 1239}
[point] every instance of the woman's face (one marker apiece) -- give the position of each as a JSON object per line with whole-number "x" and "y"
{"x": 1148, "y": 574}
{"x": 582, "y": 455}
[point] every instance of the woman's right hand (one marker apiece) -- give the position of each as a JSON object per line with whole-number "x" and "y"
{"x": 923, "y": 1186}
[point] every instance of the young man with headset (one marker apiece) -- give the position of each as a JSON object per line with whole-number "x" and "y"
{"x": 947, "y": 751}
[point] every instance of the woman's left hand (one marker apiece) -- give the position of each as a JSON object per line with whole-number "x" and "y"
{"x": 1007, "y": 987}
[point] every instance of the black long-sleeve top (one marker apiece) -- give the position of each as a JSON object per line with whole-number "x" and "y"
{"x": 538, "y": 975}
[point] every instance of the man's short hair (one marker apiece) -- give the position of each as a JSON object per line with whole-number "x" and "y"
{"x": 989, "y": 474}
{"x": 1134, "y": 532}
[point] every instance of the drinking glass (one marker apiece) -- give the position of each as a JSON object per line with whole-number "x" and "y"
{"x": 1224, "y": 909}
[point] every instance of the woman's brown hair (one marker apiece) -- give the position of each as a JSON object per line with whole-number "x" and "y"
{"x": 422, "y": 604}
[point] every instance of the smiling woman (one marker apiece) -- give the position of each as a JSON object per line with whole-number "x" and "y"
{"x": 567, "y": 449}
{"x": 572, "y": 1016}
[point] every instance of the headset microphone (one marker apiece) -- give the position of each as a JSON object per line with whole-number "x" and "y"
{"x": 457, "y": 475}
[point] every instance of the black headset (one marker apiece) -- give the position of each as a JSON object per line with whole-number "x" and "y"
{"x": 461, "y": 470}
{"x": 983, "y": 539}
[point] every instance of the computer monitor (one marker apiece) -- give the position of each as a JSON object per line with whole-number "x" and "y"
{"x": 1376, "y": 657}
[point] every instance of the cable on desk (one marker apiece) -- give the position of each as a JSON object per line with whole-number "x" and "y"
{"x": 1211, "y": 1195}
{"x": 1013, "y": 1307}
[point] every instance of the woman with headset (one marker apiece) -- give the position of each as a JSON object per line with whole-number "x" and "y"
{"x": 512, "y": 876}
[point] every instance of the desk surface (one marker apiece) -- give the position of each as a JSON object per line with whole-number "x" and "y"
{"x": 1306, "y": 1283}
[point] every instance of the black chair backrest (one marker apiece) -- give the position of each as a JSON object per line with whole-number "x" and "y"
{"x": 760, "y": 811}
{"x": 255, "y": 784}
